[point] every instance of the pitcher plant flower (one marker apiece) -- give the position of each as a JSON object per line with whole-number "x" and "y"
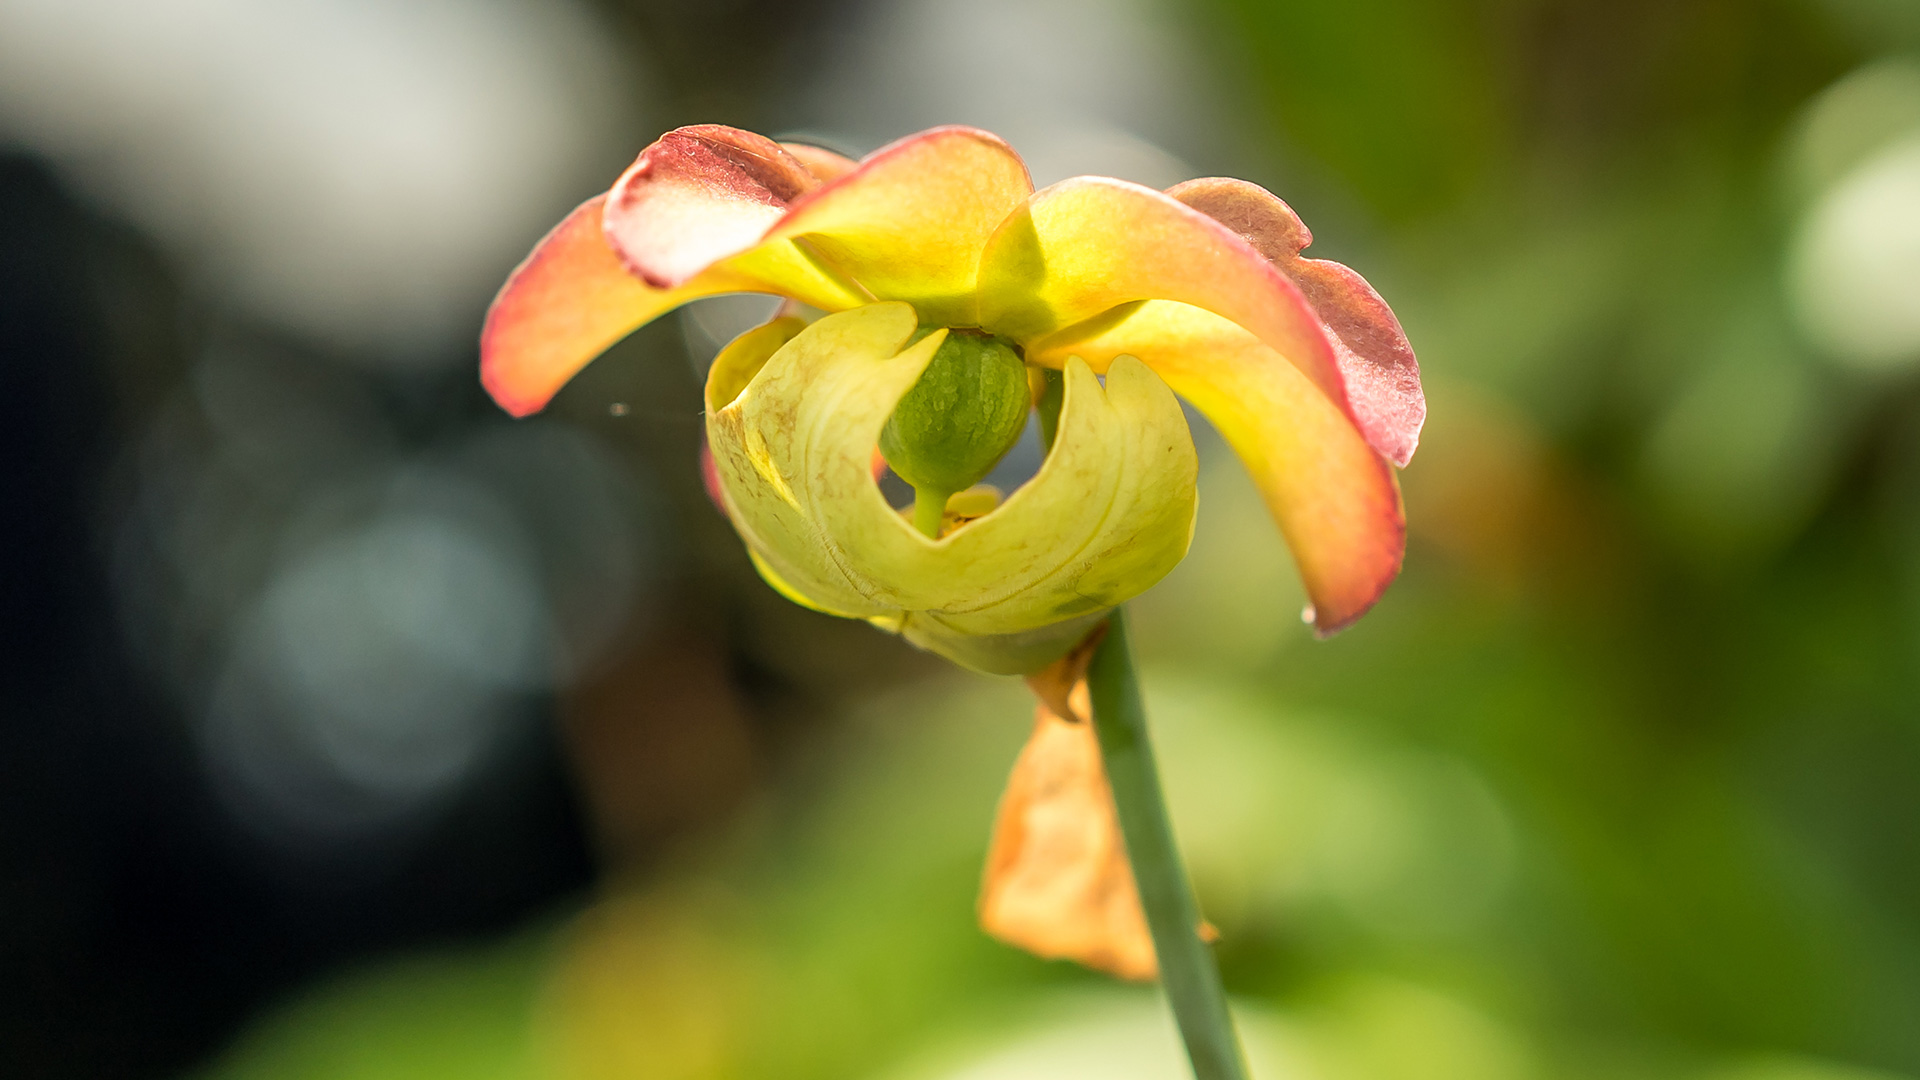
{"x": 1199, "y": 291}
{"x": 949, "y": 298}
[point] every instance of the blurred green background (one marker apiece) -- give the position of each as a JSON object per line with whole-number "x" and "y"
{"x": 1619, "y": 781}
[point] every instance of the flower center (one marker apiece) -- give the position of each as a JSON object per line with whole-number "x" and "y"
{"x": 957, "y": 422}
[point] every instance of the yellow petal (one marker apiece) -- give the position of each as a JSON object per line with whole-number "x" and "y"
{"x": 1383, "y": 377}
{"x": 1335, "y": 499}
{"x": 1085, "y": 246}
{"x": 910, "y": 222}
{"x": 563, "y": 306}
{"x": 779, "y": 584}
{"x": 732, "y": 370}
{"x": 1108, "y": 514}
{"x": 573, "y": 298}
{"x": 795, "y": 420}
{"x": 1057, "y": 882}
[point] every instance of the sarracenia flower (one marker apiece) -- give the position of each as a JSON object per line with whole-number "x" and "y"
{"x": 951, "y": 288}
{"x": 957, "y": 299}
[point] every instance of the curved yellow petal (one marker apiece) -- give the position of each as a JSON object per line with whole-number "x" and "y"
{"x": 1335, "y": 499}
{"x": 1109, "y": 513}
{"x": 688, "y": 201}
{"x": 566, "y": 304}
{"x": 767, "y": 444}
{"x": 910, "y": 223}
{"x": 1085, "y": 246}
{"x": 1114, "y": 501}
{"x": 1383, "y": 377}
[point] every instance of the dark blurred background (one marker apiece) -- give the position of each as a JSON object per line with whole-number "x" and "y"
{"x": 353, "y": 730}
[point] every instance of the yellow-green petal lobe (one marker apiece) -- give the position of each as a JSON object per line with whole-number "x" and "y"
{"x": 779, "y": 440}
{"x": 744, "y": 356}
{"x": 779, "y": 584}
{"x": 1335, "y": 498}
{"x": 999, "y": 654}
{"x": 1109, "y": 513}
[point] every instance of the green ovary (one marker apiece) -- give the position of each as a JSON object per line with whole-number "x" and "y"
{"x": 963, "y": 415}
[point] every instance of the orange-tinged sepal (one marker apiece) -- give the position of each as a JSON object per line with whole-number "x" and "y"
{"x": 698, "y": 195}
{"x": 1335, "y": 499}
{"x": 1086, "y": 246}
{"x": 1382, "y": 375}
{"x": 563, "y": 306}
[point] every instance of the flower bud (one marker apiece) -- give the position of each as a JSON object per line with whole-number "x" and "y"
{"x": 958, "y": 421}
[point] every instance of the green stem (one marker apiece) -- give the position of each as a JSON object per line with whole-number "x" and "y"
{"x": 1187, "y": 968}
{"x": 930, "y": 510}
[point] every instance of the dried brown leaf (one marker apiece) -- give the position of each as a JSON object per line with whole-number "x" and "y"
{"x": 1057, "y": 882}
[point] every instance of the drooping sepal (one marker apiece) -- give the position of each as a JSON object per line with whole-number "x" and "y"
{"x": 1335, "y": 499}
{"x": 1089, "y": 245}
{"x": 685, "y": 221}
{"x": 566, "y": 304}
{"x": 1382, "y": 374}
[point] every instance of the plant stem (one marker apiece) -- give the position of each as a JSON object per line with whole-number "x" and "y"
{"x": 1187, "y": 969}
{"x": 930, "y": 510}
